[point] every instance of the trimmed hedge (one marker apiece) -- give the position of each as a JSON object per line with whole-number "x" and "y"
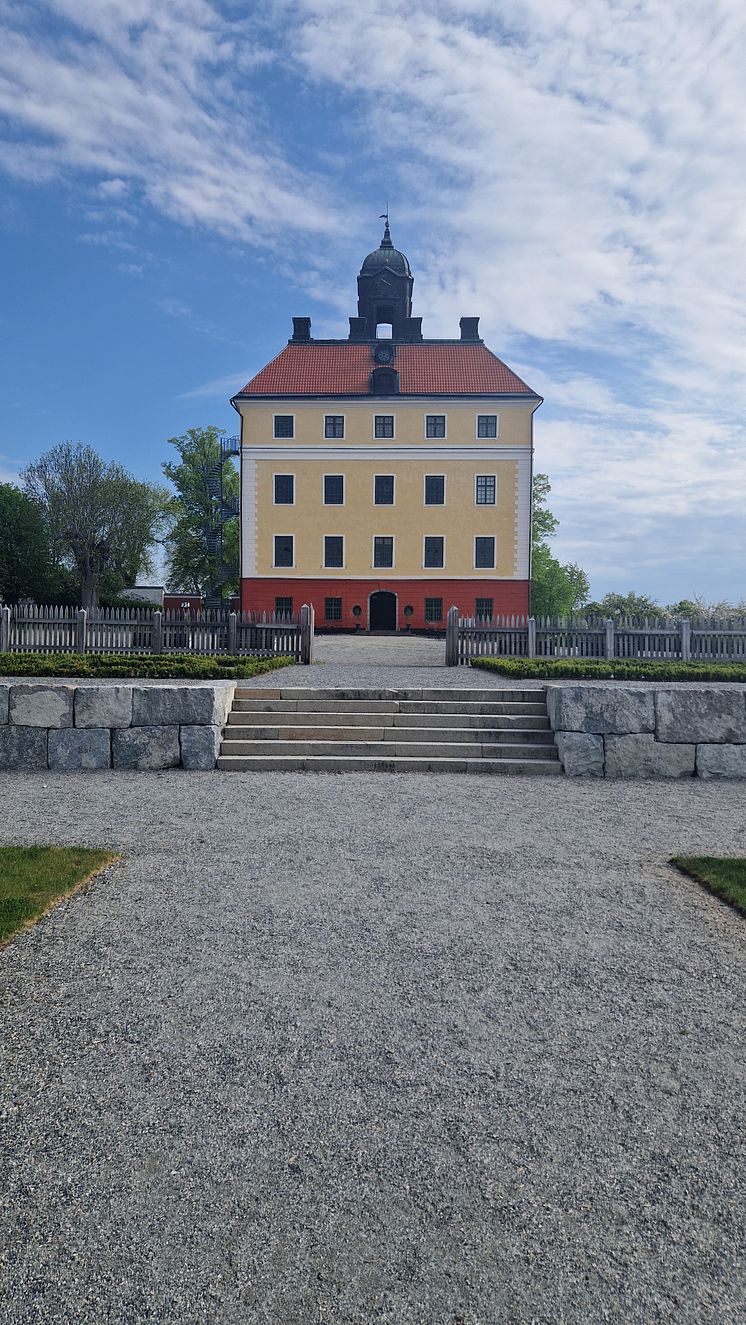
{"x": 621, "y": 669}
{"x": 159, "y": 666}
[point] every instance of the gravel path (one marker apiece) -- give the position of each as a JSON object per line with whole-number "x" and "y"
{"x": 337, "y": 1051}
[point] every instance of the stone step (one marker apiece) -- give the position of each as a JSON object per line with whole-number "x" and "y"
{"x": 360, "y": 764}
{"x": 377, "y": 732}
{"x": 396, "y": 750}
{"x": 282, "y": 718}
{"x": 507, "y": 707}
{"x": 443, "y": 693}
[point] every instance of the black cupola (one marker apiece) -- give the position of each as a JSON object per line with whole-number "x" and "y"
{"x": 384, "y": 289}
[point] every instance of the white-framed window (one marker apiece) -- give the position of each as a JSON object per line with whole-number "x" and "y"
{"x": 433, "y": 552}
{"x": 435, "y": 490}
{"x": 283, "y": 425}
{"x": 334, "y": 425}
{"x": 435, "y": 425}
{"x": 283, "y": 489}
{"x": 384, "y": 490}
{"x": 485, "y": 490}
{"x": 433, "y": 609}
{"x": 383, "y": 425}
{"x": 383, "y": 551}
{"x": 484, "y": 552}
{"x": 334, "y": 551}
{"x": 486, "y": 425}
{"x": 284, "y": 551}
{"x": 334, "y": 489}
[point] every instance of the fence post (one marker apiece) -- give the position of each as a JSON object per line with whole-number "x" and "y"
{"x": 156, "y": 637}
{"x": 686, "y": 639}
{"x": 531, "y": 640}
{"x": 81, "y": 630}
{"x": 609, "y": 651}
{"x": 232, "y": 632}
{"x": 452, "y": 637}
{"x": 306, "y": 633}
{"x": 5, "y": 630}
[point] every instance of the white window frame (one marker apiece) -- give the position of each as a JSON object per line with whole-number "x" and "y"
{"x": 442, "y": 538}
{"x": 343, "y": 417}
{"x": 282, "y": 415}
{"x": 434, "y": 505}
{"x": 334, "y": 504}
{"x": 496, "y": 417}
{"x": 384, "y": 503}
{"x": 494, "y": 552}
{"x": 432, "y": 415}
{"x": 323, "y": 551}
{"x": 281, "y": 474}
{"x": 274, "y": 552}
{"x": 485, "y": 503}
{"x": 373, "y": 552}
{"x": 375, "y": 436}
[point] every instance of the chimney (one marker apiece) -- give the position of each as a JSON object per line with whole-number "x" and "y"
{"x": 469, "y": 328}
{"x": 412, "y": 328}
{"x": 358, "y": 328}
{"x": 301, "y": 328}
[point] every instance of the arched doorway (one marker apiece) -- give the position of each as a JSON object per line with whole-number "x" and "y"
{"x": 382, "y": 610}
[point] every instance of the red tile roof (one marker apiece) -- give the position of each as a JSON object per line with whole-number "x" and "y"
{"x": 343, "y": 369}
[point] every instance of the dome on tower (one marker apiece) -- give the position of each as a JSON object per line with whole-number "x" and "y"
{"x": 386, "y": 256}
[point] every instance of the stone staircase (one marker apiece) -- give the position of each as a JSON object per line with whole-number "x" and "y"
{"x": 407, "y": 730}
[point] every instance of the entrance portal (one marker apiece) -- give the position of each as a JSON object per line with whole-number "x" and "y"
{"x": 382, "y": 610}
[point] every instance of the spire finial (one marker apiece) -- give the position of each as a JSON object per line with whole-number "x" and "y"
{"x": 386, "y": 241}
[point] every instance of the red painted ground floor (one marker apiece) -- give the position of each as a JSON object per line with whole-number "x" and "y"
{"x": 386, "y": 604}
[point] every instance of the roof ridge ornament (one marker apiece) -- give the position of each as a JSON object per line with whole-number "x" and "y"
{"x": 386, "y": 241}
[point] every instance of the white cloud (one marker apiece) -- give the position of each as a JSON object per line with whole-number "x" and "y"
{"x": 219, "y": 388}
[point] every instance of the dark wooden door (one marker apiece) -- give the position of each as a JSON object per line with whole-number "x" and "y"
{"x": 383, "y": 610}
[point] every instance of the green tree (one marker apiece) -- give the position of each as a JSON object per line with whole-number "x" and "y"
{"x": 25, "y": 560}
{"x": 619, "y": 605}
{"x": 101, "y": 522}
{"x": 556, "y": 589}
{"x": 194, "y": 564}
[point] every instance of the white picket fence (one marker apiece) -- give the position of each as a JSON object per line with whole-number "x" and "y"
{"x": 35, "y": 629}
{"x": 544, "y": 637}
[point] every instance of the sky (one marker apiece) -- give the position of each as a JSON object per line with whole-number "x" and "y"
{"x": 178, "y": 178}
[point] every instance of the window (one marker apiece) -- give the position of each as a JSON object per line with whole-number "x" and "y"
{"x": 484, "y": 553}
{"x": 334, "y": 490}
{"x": 334, "y": 425}
{"x": 486, "y": 425}
{"x": 435, "y": 490}
{"x": 283, "y": 607}
{"x": 383, "y": 552}
{"x": 284, "y": 489}
{"x": 332, "y": 609}
{"x": 284, "y": 425}
{"x": 485, "y": 609}
{"x": 384, "y": 426}
{"x": 283, "y": 549}
{"x": 435, "y": 425}
{"x": 334, "y": 550}
{"x": 384, "y": 490}
{"x": 485, "y": 490}
{"x": 433, "y": 550}
{"x": 433, "y": 609}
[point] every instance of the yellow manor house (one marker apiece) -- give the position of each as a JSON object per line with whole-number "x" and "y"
{"x": 385, "y": 477}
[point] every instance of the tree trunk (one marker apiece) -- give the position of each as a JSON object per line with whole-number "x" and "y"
{"x": 88, "y": 590}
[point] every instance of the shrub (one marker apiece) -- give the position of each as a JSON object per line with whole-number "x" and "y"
{"x": 620, "y": 669}
{"x": 163, "y": 666}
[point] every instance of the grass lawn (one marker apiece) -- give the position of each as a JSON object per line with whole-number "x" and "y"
{"x": 723, "y": 875}
{"x": 32, "y": 879}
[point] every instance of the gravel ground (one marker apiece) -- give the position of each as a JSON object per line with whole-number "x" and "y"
{"x": 336, "y": 1051}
